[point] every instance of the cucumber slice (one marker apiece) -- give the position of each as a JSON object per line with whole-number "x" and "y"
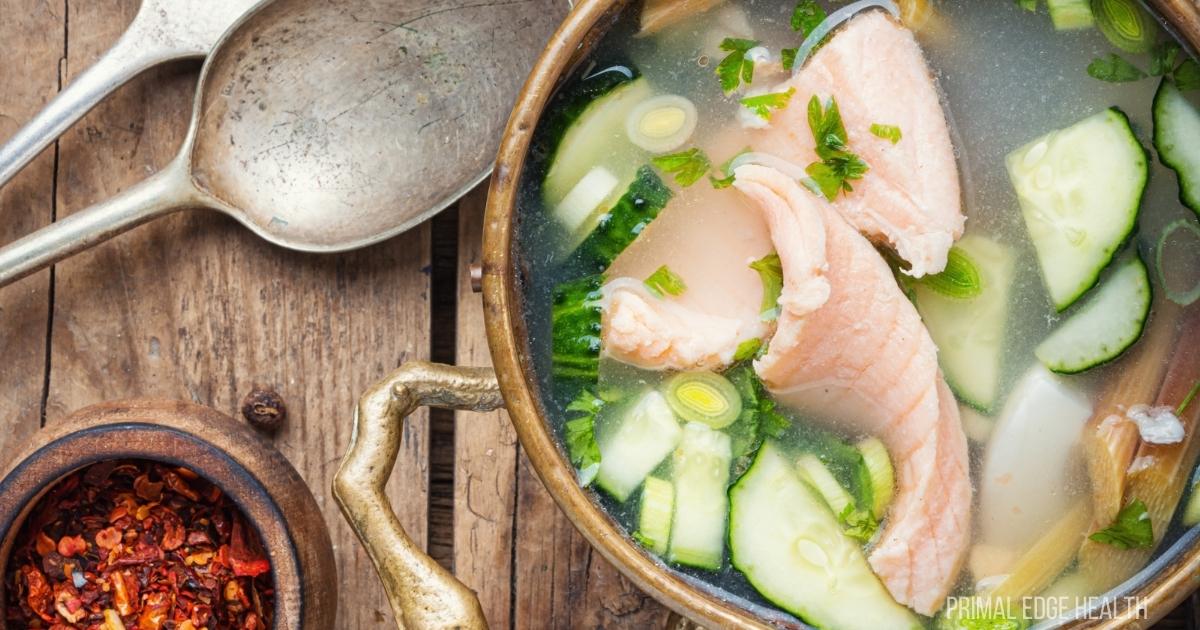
{"x": 1070, "y": 15}
{"x": 792, "y": 550}
{"x": 595, "y": 136}
{"x": 654, "y": 517}
{"x": 701, "y": 469}
{"x": 617, "y": 227}
{"x": 1080, "y": 189}
{"x": 1107, "y": 324}
{"x": 1176, "y": 129}
{"x": 1191, "y": 511}
{"x": 645, "y": 434}
{"x": 883, "y": 477}
{"x": 818, "y": 476}
{"x": 969, "y": 333}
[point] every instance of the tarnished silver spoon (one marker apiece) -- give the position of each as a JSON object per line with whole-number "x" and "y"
{"x": 328, "y": 125}
{"x": 162, "y": 31}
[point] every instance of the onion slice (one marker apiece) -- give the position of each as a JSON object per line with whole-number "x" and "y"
{"x": 766, "y": 159}
{"x": 835, "y": 20}
{"x": 1184, "y": 298}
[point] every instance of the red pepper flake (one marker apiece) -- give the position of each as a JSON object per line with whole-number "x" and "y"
{"x": 68, "y": 546}
{"x": 246, "y": 557}
{"x": 108, "y": 538}
{"x": 44, "y": 544}
{"x": 170, "y": 551}
{"x": 147, "y": 490}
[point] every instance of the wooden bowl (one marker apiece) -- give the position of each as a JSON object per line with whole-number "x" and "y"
{"x": 256, "y": 477}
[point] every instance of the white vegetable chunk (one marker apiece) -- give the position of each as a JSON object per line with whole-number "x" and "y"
{"x": 1025, "y": 485}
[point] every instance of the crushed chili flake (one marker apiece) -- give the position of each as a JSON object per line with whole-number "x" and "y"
{"x": 138, "y": 544}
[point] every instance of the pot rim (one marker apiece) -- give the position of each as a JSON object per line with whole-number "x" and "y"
{"x": 1160, "y": 586}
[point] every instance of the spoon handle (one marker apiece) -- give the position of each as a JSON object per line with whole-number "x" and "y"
{"x": 165, "y": 192}
{"x": 137, "y": 50}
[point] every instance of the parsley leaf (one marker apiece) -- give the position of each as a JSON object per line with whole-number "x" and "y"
{"x": 887, "y": 132}
{"x": 1187, "y": 75}
{"x": 837, "y": 166}
{"x": 665, "y": 281}
{"x": 770, "y": 271}
{"x": 1131, "y": 529}
{"x": 687, "y": 166}
{"x": 1114, "y": 69}
{"x": 1162, "y": 58}
{"x": 726, "y": 171}
{"x": 807, "y": 16}
{"x": 580, "y": 435}
{"x": 748, "y": 349}
{"x": 857, "y": 524}
{"x": 1028, "y": 5}
{"x": 735, "y": 68}
{"x": 762, "y": 104}
{"x": 788, "y": 57}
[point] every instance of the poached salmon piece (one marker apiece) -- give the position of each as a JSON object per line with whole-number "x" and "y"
{"x": 708, "y": 238}
{"x": 910, "y": 197}
{"x": 862, "y": 360}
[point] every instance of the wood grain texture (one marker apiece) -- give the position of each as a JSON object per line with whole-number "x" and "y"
{"x": 195, "y": 307}
{"x": 485, "y": 449}
{"x": 561, "y": 581}
{"x": 32, "y": 33}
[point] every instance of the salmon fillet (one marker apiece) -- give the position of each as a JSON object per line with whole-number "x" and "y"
{"x": 658, "y": 333}
{"x": 708, "y": 238}
{"x": 910, "y": 198}
{"x": 861, "y": 359}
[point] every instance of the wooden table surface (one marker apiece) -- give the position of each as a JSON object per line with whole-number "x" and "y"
{"x": 195, "y": 307}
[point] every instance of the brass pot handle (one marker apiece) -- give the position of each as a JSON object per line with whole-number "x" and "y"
{"x": 422, "y": 593}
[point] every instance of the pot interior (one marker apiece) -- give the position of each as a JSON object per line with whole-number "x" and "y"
{"x": 1004, "y": 78}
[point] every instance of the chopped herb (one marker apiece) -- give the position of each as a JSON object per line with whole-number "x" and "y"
{"x": 837, "y": 166}
{"x": 770, "y": 271}
{"x": 960, "y": 278}
{"x": 687, "y": 166}
{"x": 807, "y": 16}
{"x": 1162, "y": 58}
{"x": 1183, "y": 405}
{"x": 735, "y": 68}
{"x": 748, "y": 349}
{"x": 788, "y": 57}
{"x": 1187, "y": 75}
{"x": 887, "y": 132}
{"x": 581, "y": 435}
{"x": 857, "y": 524}
{"x": 1131, "y": 529}
{"x": 1028, "y": 5}
{"x": 762, "y": 104}
{"x": 665, "y": 281}
{"x": 721, "y": 182}
{"x": 1114, "y": 69}
{"x": 726, "y": 171}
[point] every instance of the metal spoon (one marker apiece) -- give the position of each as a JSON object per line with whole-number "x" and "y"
{"x": 328, "y": 125}
{"x": 162, "y": 31}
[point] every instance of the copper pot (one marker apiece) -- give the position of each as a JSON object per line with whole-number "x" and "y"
{"x": 422, "y": 594}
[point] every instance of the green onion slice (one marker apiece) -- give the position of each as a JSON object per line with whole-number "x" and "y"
{"x": 1186, "y": 297}
{"x": 704, "y": 397}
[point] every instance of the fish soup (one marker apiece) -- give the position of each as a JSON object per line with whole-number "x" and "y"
{"x": 876, "y": 315}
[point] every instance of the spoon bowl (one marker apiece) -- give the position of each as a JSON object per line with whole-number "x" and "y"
{"x": 162, "y": 31}
{"x": 328, "y": 125}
